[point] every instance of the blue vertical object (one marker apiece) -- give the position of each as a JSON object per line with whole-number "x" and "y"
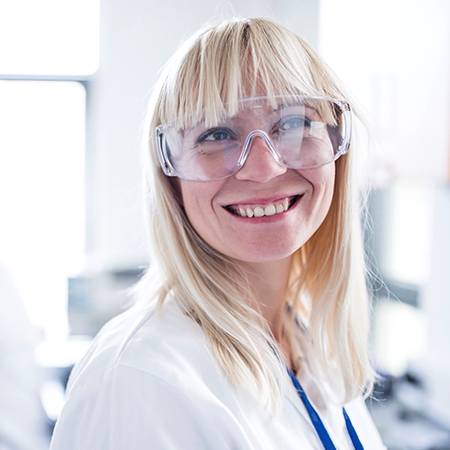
{"x": 317, "y": 422}
{"x": 352, "y": 432}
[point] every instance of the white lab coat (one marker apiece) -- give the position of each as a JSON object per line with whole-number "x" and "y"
{"x": 150, "y": 382}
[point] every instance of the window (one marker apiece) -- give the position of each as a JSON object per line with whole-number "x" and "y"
{"x": 48, "y": 49}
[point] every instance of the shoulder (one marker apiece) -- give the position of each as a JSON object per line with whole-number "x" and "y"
{"x": 148, "y": 377}
{"x": 165, "y": 345}
{"x": 130, "y": 408}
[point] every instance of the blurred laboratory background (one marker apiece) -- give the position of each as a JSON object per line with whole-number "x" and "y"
{"x": 74, "y": 82}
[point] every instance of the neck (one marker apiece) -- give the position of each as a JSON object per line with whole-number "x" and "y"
{"x": 270, "y": 284}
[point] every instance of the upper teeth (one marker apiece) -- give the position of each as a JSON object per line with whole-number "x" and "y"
{"x": 269, "y": 210}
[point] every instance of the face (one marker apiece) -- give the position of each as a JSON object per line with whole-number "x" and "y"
{"x": 287, "y": 206}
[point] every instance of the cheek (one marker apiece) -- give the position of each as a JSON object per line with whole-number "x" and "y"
{"x": 322, "y": 181}
{"x": 328, "y": 183}
{"x": 328, "y": 189}
{"x": 189, "y": 199}
{"x": 194, "y": 195}
{"x": 323, "y": 186}
{"x": 197, "y": 198}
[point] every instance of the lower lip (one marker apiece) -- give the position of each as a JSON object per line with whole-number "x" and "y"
{"x": 266, "y": 219}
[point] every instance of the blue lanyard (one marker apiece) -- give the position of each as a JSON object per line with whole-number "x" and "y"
{"x": 318, "y": 424}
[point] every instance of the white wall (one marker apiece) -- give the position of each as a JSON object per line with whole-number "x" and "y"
{"x": 137, "y": 37}
{"x": 395, "y": 57}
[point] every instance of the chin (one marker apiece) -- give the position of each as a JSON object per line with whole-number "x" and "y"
{"x": 260, "y": 256}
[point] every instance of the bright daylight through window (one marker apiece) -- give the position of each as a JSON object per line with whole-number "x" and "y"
{"x": 47, "y": 51}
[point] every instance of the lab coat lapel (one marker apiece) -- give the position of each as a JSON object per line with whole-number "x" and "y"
{"x": 294, "y": 400}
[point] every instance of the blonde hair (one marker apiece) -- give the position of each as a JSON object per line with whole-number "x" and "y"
{"x": 205, "y": 79}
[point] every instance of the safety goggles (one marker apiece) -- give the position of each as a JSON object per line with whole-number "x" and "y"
{"x": 300, "y": 132}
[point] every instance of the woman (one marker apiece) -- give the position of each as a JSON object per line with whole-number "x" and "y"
{"x": 257, "y": 281}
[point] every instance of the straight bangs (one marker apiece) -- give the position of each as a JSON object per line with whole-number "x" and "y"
{"x": 214, "y": 71}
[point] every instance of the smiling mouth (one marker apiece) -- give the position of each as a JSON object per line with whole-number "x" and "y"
{"x": 270, "y": 209}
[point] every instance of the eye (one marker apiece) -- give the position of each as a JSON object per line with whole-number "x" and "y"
{"x": 293, "y": 123}
{"x": 216, "y": 134}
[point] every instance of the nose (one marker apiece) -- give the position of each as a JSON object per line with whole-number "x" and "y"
{"x": 260, "y": 165}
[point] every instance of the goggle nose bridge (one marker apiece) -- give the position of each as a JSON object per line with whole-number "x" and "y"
{"x": 248, "y": 144}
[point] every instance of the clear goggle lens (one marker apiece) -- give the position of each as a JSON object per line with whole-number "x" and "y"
{"x": 301, "y": 132}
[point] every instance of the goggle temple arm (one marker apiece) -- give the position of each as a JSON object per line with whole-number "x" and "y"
{"x": 347, "y": 119}
{"x": 162, "y": 156}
